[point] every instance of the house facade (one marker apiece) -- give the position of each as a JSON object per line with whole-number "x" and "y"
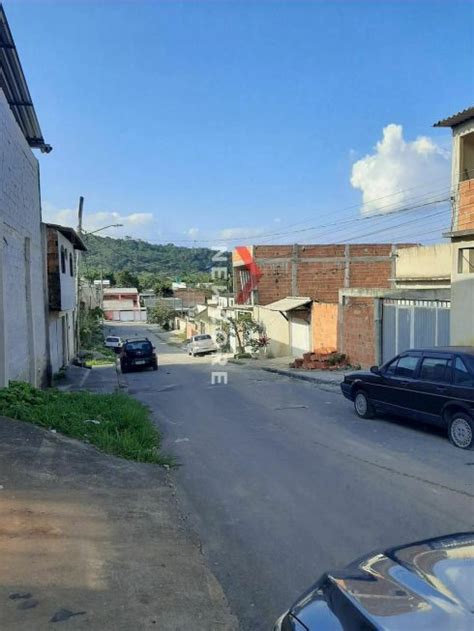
{"x": 462, "y": 226}
{"x": 122, "y": 304}
{"x": 62, "y": 243}
{"x": 23, "y": 294}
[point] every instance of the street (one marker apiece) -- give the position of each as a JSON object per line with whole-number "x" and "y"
{"x": 281, "y": 481}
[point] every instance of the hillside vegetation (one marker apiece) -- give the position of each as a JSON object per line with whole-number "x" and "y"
{"x": 116, "y": 255}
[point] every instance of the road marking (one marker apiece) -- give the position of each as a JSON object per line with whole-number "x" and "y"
{"x": 182, "y": 440}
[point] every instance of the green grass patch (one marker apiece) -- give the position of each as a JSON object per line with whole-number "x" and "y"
{"x": 122, "y": 425}
{"x": 101, "y": 361}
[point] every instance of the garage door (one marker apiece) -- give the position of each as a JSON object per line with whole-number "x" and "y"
{"x": 299, "y": 337}
{"x": 126, "y": 316}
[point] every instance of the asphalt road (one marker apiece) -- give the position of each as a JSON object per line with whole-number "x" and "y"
{"x": 281, "y": 481}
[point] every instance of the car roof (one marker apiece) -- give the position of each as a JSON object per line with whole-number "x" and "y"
{"x": 137, "y": 339}
{"x": 466, "y": 350}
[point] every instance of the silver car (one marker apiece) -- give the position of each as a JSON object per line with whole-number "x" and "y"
{"x": 201, "y": 344}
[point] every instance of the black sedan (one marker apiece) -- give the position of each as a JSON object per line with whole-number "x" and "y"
{"x": 433, "y": 385}
{"x": 423, "y": 585}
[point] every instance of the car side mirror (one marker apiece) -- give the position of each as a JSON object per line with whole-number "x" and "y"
{"x": 375, "y": 370}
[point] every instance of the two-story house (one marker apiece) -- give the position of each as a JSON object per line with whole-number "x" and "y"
{"x": 462, "y": 226}
{"x": 62, "y": 244}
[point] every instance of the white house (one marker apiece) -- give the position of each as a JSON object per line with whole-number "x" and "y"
{"x": 62, "y": 243}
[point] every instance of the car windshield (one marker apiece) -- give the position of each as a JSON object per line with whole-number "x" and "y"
{"x": 138, "y": 346}
{"x": 113, "y": 339}
{"x": 200, "y": 338}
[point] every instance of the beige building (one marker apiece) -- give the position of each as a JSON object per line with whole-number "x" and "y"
{"x": 424, "y": 267}
{"x": 462, "y": 226}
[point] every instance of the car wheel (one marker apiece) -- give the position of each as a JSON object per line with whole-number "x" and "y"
{"x": 461, "y": 430}
{"x": 362, "y": 405}
{"x": 124, "y": 370}
{"x": 155, "y": 366}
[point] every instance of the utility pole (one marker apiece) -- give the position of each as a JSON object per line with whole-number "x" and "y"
{"x": 78, "y": 281}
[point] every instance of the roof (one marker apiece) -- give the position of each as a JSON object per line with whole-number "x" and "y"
{"x": 288, "y": 304}
{"x": 456, "y": 119}
{"x": 13, "y": 84}
{"x": 70, "y": 234}
{"x": 120, "y": 290}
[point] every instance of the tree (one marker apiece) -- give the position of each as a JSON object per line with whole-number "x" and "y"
{"x": 162, "y": 315}
{"x": 247, "y": 332}
{"x": 125, "y": 278}
{"x": 162, "y": 287}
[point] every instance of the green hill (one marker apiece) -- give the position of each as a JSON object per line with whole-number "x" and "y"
{"x": 135, "y": 255}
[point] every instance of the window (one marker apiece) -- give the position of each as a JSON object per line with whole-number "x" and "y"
{"x": 406, "y": 366}
{"x": 436, "y": 369}
{"x": 462, "y": 376}
{"x": 71, "y": 266}
{"x": 466, "y": 261}
{"x": 63, "y": 260}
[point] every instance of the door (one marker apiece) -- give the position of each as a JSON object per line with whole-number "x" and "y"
{"x": 300, "y": 338}
{"x": 432, "y": 388}
{"x": 396, "y": 387}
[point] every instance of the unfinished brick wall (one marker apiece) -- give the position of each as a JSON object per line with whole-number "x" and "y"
{"x": 465, "y": 210}
{"x": 357, "y": 331}
{"x": 319, "y": 271}
{"x": 324, "y": 326}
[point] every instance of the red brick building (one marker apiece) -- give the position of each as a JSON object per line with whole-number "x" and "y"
{"x": 314, "y": 276}
{"x": 316, "y": 271}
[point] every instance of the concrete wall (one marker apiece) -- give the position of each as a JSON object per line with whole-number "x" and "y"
{"x": 61, "y": 336}
{"x": 277, "y": 329}
{"x": 319, "y": 271}
{"x": 324, "y": 319}
{"x": 462, "y": 299}
{"x": 23, "y": 341}
{"x": 424, "y": 265}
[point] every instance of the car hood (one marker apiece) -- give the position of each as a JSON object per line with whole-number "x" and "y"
{"x": 425, "y": 585}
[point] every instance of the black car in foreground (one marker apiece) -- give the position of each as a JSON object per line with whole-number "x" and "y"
{"x": 425, "y": 585}
{"x": 138, "y": 353}
{"x": 433, "y": 385}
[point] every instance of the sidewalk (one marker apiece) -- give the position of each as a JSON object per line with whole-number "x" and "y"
{"x": 94, "y": 541}
{"x": 281, "y": 366}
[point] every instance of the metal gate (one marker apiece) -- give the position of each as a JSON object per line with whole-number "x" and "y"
{"x": 413, "y": 323}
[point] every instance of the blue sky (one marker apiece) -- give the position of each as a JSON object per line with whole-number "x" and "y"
{"x": 212, "y": 121}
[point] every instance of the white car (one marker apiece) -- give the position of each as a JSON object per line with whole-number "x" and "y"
{"x": 200, "y": 344}
{"x": 114, "y": 342}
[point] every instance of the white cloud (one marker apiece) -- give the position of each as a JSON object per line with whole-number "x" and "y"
{"x": 398, "y": 165}
{"x": 192, "y": 232}
{"x": 240, "y": 233}
{"x": 132, "y": 223}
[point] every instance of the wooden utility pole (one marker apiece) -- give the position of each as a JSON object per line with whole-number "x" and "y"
{"x": 78, "y": 277}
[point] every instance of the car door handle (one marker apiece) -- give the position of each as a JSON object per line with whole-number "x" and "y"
{"x": 441, "y": 389}
{"x": 404, "y": 383}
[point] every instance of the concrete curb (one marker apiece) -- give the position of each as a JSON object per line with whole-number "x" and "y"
{"x": 302, "y": 377}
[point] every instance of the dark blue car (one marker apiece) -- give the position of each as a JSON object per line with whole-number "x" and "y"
{"x": 434, "y": 385}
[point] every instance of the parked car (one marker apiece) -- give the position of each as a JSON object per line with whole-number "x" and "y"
{"x": 201, "y": 344}
{"x": 114, "y": 342}
{"x": 434, "y": 385}
{"x": 138, "y": 353}
{"x": 423, "y": 585}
